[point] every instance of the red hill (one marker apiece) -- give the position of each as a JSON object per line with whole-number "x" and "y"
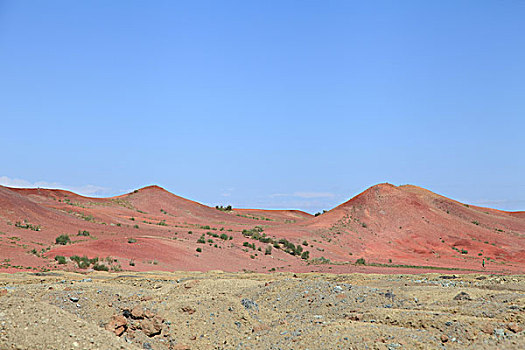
{"x": 151, "y": 228}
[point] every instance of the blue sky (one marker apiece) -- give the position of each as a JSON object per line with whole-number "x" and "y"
{"x": 272, "y": 104}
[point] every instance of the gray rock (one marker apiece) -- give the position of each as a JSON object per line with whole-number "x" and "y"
{"x": 249, "y": 304}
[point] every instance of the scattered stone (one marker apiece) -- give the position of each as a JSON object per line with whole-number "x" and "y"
{"x": 448, "y": 277}
{"x": 153, "y": 326}
{"x": 187, "y": 309}
{"x": 149, "y": 314}
{"x": 444, "y": 338}
{"x": 180, "y": 347}
{"x": 249, "y": 304}
{"x": 137, "y": 312}
{"x": 514, "y": 327}
{"x": 117, "y": 325}
{"x": 74, "y": 299}
{"x": 498, "y": 332}
{"x": 462, "y": 296}
{"x": 487, "y": 329}
{"x": 338, "y": 289}
{"x": 260, "y": 328}
{"x": 146, "y": 346}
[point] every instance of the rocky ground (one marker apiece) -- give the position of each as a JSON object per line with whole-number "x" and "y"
{"x": 216, "y": 310}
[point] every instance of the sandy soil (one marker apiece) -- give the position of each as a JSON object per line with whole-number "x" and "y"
{"x": 217, "y": 310}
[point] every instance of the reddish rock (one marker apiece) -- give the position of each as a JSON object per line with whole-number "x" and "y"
{"x": 137, "y": 312}
{"x": 260, "y": 327}
{"x": 117, "y": 325}
{"x": 188, "y": 309}
{"x": 355, "y": 317}
{"x": 514, "y": 327}
{"x": 180, "y": 347}
{"x": 153, "y": 326}
{"x": 487, "y": 329}
{"x": 149, "y": 314}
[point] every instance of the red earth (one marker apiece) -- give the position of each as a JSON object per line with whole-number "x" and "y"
{"x": 403, "y": 229}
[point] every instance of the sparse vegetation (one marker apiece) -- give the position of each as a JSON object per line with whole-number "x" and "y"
{"x": 62, "y": 239}
{"x": 221, "y": 208}
{"x": 360, "y": 261}
{"x": 60, "y": 259}
{"x": 100, "y": 267}
{"x": 27, "y": 225}
{"x": 132, "y": 240}
{"x": 199, "y": 250}
{"x": 83, "y": 233}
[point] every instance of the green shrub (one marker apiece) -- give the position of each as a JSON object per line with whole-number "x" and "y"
{"x": 100, "y": 267}
{"x": 223, "y": 236}
{"x": 305, "y": 243}
{"x": 61, "y": 259}
{"x": 63, "y": 240}
{"x": 83, "y": 233}
{"x": 199, "y": 250}
{"x": 268, "y": 250}
{"x": 135, "y": 226}
{"x": 360, "y": 261}
{"x": 132, "y": 240}
{"x": 221, "y": 208}
{"x": 305, "y": 255}
{"x": 201, "y": 240}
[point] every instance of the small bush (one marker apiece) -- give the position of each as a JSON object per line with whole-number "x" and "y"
{"x": 201, "y": 240}
{"x": 360, "y": 261}
{"x": 132, "y": 262}
{"x": 199, "y": 250}
{"x": 268, "y": 250}
{"x": 132, "y": 240}
{"x": 100, "y": 267}
{"x": 63, "y": 240}
{"x": 305, "y": 243}
{"x": 305, "y": 255}
{"x": 135, "y": 226}
{"x": 61, "y": 259}
{"x": 223, "y": 236}
{"x": 83, "y": 233}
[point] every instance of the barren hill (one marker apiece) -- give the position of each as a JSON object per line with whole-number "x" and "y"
{"x": 391, "y": 228}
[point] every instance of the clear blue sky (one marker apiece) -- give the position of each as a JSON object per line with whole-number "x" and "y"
{"x": 274, "y": 104}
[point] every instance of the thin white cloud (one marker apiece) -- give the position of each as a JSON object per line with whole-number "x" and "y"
{"x": 86, "y": 190}
{"x": 506, "y": 204}
{"x": 304, "y": 195}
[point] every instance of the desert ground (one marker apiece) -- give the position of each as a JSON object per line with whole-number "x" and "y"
{"x": 219, "y": 310}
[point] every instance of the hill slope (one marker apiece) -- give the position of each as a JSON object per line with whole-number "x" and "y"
{"x": 153, "y": 229}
